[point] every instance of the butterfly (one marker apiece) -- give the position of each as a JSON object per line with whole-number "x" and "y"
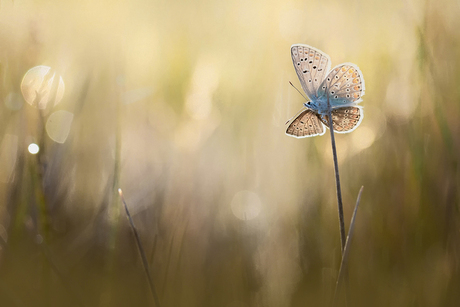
{"x": 344, "y": 83}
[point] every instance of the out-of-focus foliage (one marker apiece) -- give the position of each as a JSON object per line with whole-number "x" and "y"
{"x": 183, "y": 105}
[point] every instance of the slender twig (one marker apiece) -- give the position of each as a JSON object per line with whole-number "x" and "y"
{"x": 337, "y": 178}
{"x": 141, "y": 251}
{"x": 344, "y": 263}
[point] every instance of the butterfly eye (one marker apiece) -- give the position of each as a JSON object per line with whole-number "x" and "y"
{"x": 308, "y": 103}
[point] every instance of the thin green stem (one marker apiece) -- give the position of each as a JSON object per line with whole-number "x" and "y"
{"x": 337, "y": 177}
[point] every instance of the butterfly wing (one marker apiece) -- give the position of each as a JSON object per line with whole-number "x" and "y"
{"x": 344, "y": 120}
{"x": 345, "y": 84}
{"x": 311, "y": 66}
{"x": 306, "y": 124}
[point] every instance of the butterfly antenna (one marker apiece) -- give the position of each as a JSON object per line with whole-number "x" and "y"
{"x": 298, "y": 90}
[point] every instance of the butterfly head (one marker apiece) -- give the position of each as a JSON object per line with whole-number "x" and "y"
{"x": 318, "y": 105}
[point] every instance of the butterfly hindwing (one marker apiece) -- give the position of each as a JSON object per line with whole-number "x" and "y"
{"x": 345, "y": 119}
{"x": 306, "y": 124}
{"x": 311, "y": 66}
{"x": 345, "y": 84}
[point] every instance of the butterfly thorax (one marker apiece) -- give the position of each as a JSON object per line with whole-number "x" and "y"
{"x": 318, "y": 104}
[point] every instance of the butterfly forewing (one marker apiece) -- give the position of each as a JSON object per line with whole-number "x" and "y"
{"x": 345, "y": 119}
{"x": 306, "y": 124}
{"x": 345, "y": 84}
{"x": 311, "y": 66}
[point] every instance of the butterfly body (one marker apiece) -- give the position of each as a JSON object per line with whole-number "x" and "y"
{"x": 341, "y": 88}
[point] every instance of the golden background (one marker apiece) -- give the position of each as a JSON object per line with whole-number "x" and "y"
{"x": 183, "y": 105}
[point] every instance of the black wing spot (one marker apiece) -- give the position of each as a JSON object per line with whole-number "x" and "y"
{"x": 314, "y": 66}
{"x": 332, "y": 92}
{"x": 304, "y": 71}
{"x": 336, "y": 96}
{"x": 310, "y": 61}
{"x": 346, "y": 111}
{"x": 324, "y": 87}
{"x": 316, "y": 80}
{"x": 328, "y": 79}
{"x": 348, "y": 95}
{"x": 320, "y": 69}
{"x": 309, "y": 80}
{"x": 301, "y": 59}
{"x": 348, "y": 89}
{"x": 336, "y": 77}
{"x": 298, "y": 63}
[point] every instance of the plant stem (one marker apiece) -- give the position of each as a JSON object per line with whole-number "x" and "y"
{"x": 141, "y": 251}
{"x": 344, "y": 263}
{"x": 337, "y": 177}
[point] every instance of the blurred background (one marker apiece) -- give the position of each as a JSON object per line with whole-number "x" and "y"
{"x": 183, "y": 105}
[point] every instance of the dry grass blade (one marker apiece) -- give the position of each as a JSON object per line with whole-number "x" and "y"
{"x": 141, "y": 251}
{"x": 346, "y": 252}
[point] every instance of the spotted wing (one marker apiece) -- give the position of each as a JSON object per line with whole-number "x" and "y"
{"x": 345, "y": 84}
{"x": 311, "y": 65}
{"x": 344, "y": 120}
{"x": 306, "y": 124}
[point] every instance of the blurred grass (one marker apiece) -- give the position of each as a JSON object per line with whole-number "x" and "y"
{"x": 182, "y": 104}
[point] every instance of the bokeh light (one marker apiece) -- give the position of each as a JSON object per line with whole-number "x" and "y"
{"x": 58, "y": 125}
{"x": 41, "y": 87}
{"x": 246, "y": 205}
{"x": 33, "y": 148}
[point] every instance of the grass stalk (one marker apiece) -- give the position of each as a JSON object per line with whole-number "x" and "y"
{"x": 344, "y": 262}
{"x": 141, "y": 251}
{"x": 337, "y": 177}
